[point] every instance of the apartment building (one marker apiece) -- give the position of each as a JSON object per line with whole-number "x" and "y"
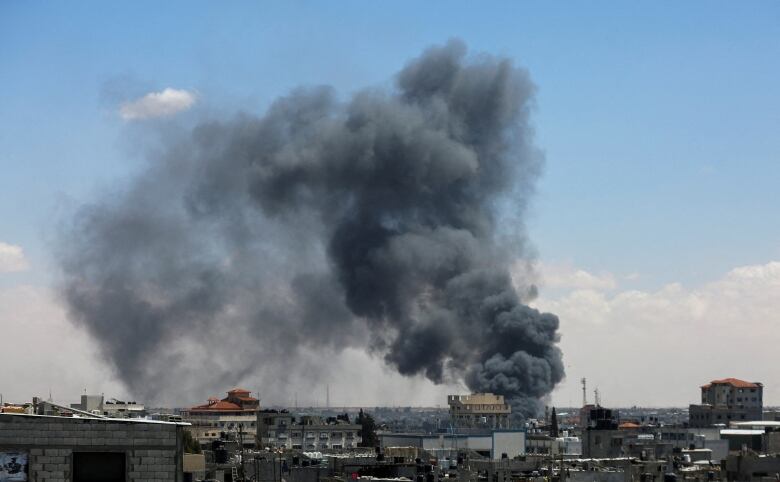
{"x": 727, "y": 400}
{"x": 479, "y": 410}
{"x": 280, "y": 429}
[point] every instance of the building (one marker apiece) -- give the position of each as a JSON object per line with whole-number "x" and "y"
{"x": 689, "y": 438}
{"x": 112, "y": 408}
{"x": 81, "y": 449}
{"x": 495, "y": 444}
{"x": 723, "y": 401}
{"x": 599, "y": 418}
{"x": 234, "y": 416}
{"x": 280, "y": 429}
{"x": 479, "y": 410}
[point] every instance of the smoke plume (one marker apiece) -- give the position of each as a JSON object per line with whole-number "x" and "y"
{"x": 387, "y": 222}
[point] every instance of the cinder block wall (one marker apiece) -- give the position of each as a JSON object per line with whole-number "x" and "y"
{"x": 153, "y": 451}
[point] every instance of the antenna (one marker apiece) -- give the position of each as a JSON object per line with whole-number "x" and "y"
{"x": 584, "y": 391}
{"x": 596, "y": 395}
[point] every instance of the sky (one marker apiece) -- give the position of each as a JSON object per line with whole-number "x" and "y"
{"x": 655, "y": 225}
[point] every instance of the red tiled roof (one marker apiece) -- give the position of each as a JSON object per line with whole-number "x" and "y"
{"x": 626, "y": 425}
{"x": 734, "y": 382}
{"x": 220, "y": 405}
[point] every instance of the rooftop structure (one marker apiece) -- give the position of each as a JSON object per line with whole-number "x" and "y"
{"x": 113, "y": 408}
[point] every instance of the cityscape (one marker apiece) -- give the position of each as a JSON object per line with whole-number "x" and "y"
{"x": 727, "y": 435}
{"x": 318, "y": 241}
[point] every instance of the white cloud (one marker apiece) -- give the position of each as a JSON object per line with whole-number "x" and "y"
{"x": 12, "y": 258}
{"x": 157, "y": 104}
{"x": 565, "y": 276}
{"x": 657, "y": 347}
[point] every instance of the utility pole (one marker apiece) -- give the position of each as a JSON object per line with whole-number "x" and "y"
{"x": 241, "y": 447}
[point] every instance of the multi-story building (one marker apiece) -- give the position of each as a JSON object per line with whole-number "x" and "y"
{"x": 280, "y": 429}
{"x": 235, "y": 415}
{"x": 723, "y": 401}
{"x": 479, "y": 410}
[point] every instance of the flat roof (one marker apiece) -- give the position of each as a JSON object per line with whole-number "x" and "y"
{"x": 97, "y": 419}
{"x": 740, "y": 431}
{"x": 757, "y": 423}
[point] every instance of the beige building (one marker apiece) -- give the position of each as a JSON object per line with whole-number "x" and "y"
{"x": 479, "y": 410}
{"x": 235, "y": 415}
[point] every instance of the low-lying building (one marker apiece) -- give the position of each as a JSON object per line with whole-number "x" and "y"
{"x": 82, "y": 449}
{"x": 111, "y": 408}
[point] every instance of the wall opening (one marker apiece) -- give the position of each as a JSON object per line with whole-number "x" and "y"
{"x": 99, "y": 467}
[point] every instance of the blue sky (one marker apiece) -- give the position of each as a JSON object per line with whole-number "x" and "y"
{"x": 659, "y": 123}
{"x": 659, "y": 120}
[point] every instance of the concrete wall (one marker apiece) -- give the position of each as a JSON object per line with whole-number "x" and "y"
{"x": 510, "y": 443}
{"x": 153, "y": 451}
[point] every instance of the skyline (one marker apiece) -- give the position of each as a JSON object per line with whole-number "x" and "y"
{"x": 653, "y": 218}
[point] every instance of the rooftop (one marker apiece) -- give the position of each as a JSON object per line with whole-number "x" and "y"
{"x": 76, "y": 418}
{"x": 734, "y": 382}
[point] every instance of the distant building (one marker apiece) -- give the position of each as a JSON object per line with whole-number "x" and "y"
{"x": 694, "y": 439}
{"x": 490, "y": 443}
{"x": 112, "y": 408}
{"x": 479, "y": 410}
{"x": 234, "y": 415}
{"x": 280, "y": 429}
{"x": 723, "y": 401}
{"x": 595, "y": 417}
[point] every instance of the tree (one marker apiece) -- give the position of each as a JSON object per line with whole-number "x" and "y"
{"x": 367, "y": 430}
{"x": 553, "y": 424}
{"x": 191, "y": 446}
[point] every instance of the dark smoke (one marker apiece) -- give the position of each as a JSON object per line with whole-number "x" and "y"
{"x": 387, "y": 222}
